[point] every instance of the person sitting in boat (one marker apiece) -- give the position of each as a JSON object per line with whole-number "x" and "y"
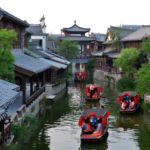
{"x": 93, "y": 121}
{"x": 99, "y": 128}
{"x": 99, "y": 125}
{"x": 127, "y": 100}
{"x": 123, "y": 104}
{"x": 132, "y": 104}
{"x": 86, "y": 128}
{"x": 92, "y": 87}
{"x": 95, "y": 95}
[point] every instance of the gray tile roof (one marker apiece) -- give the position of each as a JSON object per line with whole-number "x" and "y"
{"x": 58, "y": 58}
{"x": 7, "y": 96}
{"x": 8, "y": 85}
{"x": 113, "y": 55}
{"x": 76, "y": 28}
{"x": 35, "y": 29}
{"x": 52, "y": 56}
{"x": 122, "y": 31}
{"x": 131, "y": 27}
{"x": 138, "y": 35}
{"x": 99, "y": 37}
{"x": 7, "y": 15}
{"x": 108, "y": 52}
{"x": 99, "y": 53}
{"x": 56, "y": 64}
{"x": 79, "y": 38}
{"x": 35, "y": 65}
{"x": 3, "y": 114}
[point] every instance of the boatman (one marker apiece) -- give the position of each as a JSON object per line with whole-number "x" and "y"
{"x": 92, "y": 87}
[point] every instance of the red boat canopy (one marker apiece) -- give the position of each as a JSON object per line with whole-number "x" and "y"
{"x": 130, "y": 94}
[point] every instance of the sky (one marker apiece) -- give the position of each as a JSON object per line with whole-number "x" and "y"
{"x": 97, "y": 15}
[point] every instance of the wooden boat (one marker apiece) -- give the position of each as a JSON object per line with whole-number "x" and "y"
{"x": 80, "y": 76}
{"x": 129, "y": 102}
{"x": 92, "y": 92}
{"x": 94, "y": 136}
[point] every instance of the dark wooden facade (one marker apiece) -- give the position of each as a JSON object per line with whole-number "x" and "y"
{"x": 8, "y": 21}
{"x": 35, "y": 81}
{"x": 133, "y": 44}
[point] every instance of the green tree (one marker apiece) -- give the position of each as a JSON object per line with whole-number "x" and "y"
{"x": 126, "y": 61}
{"x": 146, "y": 46}
{"x": 6, "y": 58}
{"x": 68, "y": 49}
{"x": 143, "y": 80}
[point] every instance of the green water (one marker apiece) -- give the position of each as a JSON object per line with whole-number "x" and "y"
{"x": 59, "y": 126}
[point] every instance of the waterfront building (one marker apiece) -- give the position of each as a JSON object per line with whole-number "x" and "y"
{"x": 9, "y": 21}
{"x": 9, "y": 93}
{"x": 78, "y": 34}
{"x": 136, "y": 38}
{"x": 112, "y": 48}
{"x": 32, "y": 68}
{"x": 99, "y": 40}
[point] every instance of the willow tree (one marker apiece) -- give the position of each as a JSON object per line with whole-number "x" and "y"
{"x": 126, "y": 61}
{"x": 6, "y": 58}
{"x": 68, "y": 49}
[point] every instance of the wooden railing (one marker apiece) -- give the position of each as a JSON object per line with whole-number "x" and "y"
{"x": 35, "y": 96}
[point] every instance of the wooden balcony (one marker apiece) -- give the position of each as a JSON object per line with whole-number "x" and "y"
{"x": 35, "y": 95}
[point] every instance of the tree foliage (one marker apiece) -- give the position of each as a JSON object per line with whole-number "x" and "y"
{"x": 68, "y": 49}
{"x": 146, "y": 46}
{"x": 6, "y": 58}
{"x": 143, "y": 80}
{"x": 125, "y": 84}
{"x": 126, "y": 61}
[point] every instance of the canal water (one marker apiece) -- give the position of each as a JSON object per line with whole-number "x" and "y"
{"x": 59, "y": 125}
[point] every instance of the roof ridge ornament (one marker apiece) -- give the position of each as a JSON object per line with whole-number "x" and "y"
{"x": 74, "y": 22}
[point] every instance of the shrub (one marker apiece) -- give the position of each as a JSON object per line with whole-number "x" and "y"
{"x": 125, "y": 84}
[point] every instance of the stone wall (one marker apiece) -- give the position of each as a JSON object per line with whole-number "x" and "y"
{"x": 34, "y": 108}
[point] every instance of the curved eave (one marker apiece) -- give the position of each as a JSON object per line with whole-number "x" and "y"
{"x": 76, "y": 29}
{"x": 11, "y": 17}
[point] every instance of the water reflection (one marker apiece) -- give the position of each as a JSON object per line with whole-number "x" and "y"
{"x": 59, "y": 125}
{"x": 103, "y": 145}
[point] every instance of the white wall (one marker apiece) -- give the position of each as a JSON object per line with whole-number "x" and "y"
{"x": 43, "y": 38}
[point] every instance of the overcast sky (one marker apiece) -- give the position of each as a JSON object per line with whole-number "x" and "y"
{"x": 95, "y": 14}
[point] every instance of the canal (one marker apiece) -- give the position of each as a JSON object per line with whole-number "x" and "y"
{"x": 59, "y": 125}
